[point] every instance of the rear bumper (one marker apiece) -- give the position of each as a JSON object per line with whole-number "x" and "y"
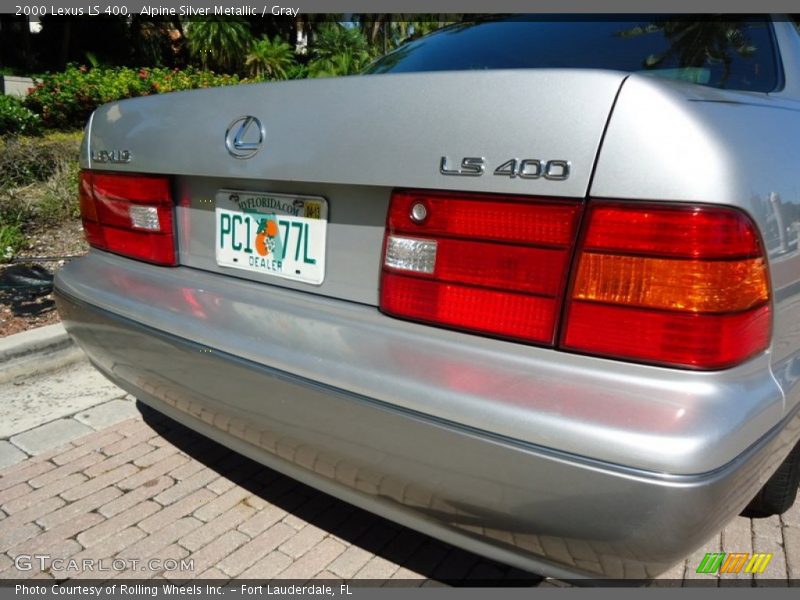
{"x": 549, "y": 510}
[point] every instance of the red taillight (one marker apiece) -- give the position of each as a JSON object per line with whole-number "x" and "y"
{"x": 707, "y": 341}
{"x": 484, "y": 263}
{"x": 669, "y": 284}
{"x": 671, "y": 230}
{"x": 129, "y": 214}
{"x": 513, "y": 219}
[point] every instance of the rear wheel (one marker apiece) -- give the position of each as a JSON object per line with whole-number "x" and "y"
{"x": 779, "y": 493}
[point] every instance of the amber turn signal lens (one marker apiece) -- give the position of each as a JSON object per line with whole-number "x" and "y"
{"x": 686, "y": 285}
{"x": 669, "y": 284}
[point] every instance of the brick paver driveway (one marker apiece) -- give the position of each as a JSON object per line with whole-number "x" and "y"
{"x": 149, "y": 488}
{"x": 152, "y": 489}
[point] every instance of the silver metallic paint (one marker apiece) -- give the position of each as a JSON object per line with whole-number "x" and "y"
{"x": 355, "y": 130}
{"x": 549, "y": 449}
{"x": 693, "y": 144}
{"x": 643, "y": 417}
{"x": 555, "y": 514}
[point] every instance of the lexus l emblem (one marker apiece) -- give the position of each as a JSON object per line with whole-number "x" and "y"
{"x": 244, "y": 137}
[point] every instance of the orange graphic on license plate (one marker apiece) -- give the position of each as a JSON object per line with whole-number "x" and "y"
{"x": 265, "y": 238}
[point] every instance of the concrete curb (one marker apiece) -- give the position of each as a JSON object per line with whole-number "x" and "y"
{"x": 36, "y": 351}
{"x": 51, "y": 395}
{"x": 42, "y": 339}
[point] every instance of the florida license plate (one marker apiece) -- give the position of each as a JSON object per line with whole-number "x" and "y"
{"x": 275, "y": 234}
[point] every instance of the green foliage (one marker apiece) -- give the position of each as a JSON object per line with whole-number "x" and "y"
{"x": 58, "y": 201}
{"x": 92, "y": 59}
{"x": 38, "y": 186}
{"x": 219, "y": 42}
{"x": 65, "y": 100}
{"x": 297, "y": 71}
{"x": 14, "y": 212}
{"x": 270, "y": 59}
{"x": 338, "y": 50}
{"x": 12, "y": 240}
{"x": 16, "y": 119}
{"x": 25, "y": 160}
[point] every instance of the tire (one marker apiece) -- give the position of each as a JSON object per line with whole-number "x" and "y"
{"x": 780, "y": 491}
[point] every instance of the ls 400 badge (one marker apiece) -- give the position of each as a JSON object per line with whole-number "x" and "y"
{"x": 526, "y": 168}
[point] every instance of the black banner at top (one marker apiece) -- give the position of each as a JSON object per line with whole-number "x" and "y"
{"x": 199, "y": 8}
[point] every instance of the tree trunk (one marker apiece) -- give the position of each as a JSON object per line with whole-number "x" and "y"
{"x": 63, "y": 55}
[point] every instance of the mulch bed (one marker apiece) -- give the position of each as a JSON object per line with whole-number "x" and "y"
{"x": 26, "y": 284}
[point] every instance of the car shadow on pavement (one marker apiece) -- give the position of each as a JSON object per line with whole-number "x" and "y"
{"x": 26, "y": 288}
{"x": 415, "y": 553}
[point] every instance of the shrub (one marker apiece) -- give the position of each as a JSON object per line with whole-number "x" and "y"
{"x": 13, "y": 209}
{"x": 338, "y": 51}
{"x": 297, "y": 71}
{"x": 12, "y": 240}
{"x": 219, "y": 42}
{"x": 65, "y": 100}
{"x": 58, "y": 201}
{"x": 38, "y": 186}
{"x": 16, "y": 119}
{"x": 270, "y": 59}
{"x": 14, "y": 212}
{"x": 24, "y": 161}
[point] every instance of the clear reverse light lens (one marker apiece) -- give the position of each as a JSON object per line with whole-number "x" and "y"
{"x": 145, "y": 217}
{"x": 409, "y": 254}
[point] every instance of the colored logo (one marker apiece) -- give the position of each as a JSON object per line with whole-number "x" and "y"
{"x": 267, "y": 238}
{"x": 733, "y": 562}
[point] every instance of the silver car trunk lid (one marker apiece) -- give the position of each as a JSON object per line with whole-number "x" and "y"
{"x": 352, "y": 141}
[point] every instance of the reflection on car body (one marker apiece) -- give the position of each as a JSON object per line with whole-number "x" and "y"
{"x": 585, "y": 374}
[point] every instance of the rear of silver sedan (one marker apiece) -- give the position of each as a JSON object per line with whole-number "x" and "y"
{"x": 536, "y": 339}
